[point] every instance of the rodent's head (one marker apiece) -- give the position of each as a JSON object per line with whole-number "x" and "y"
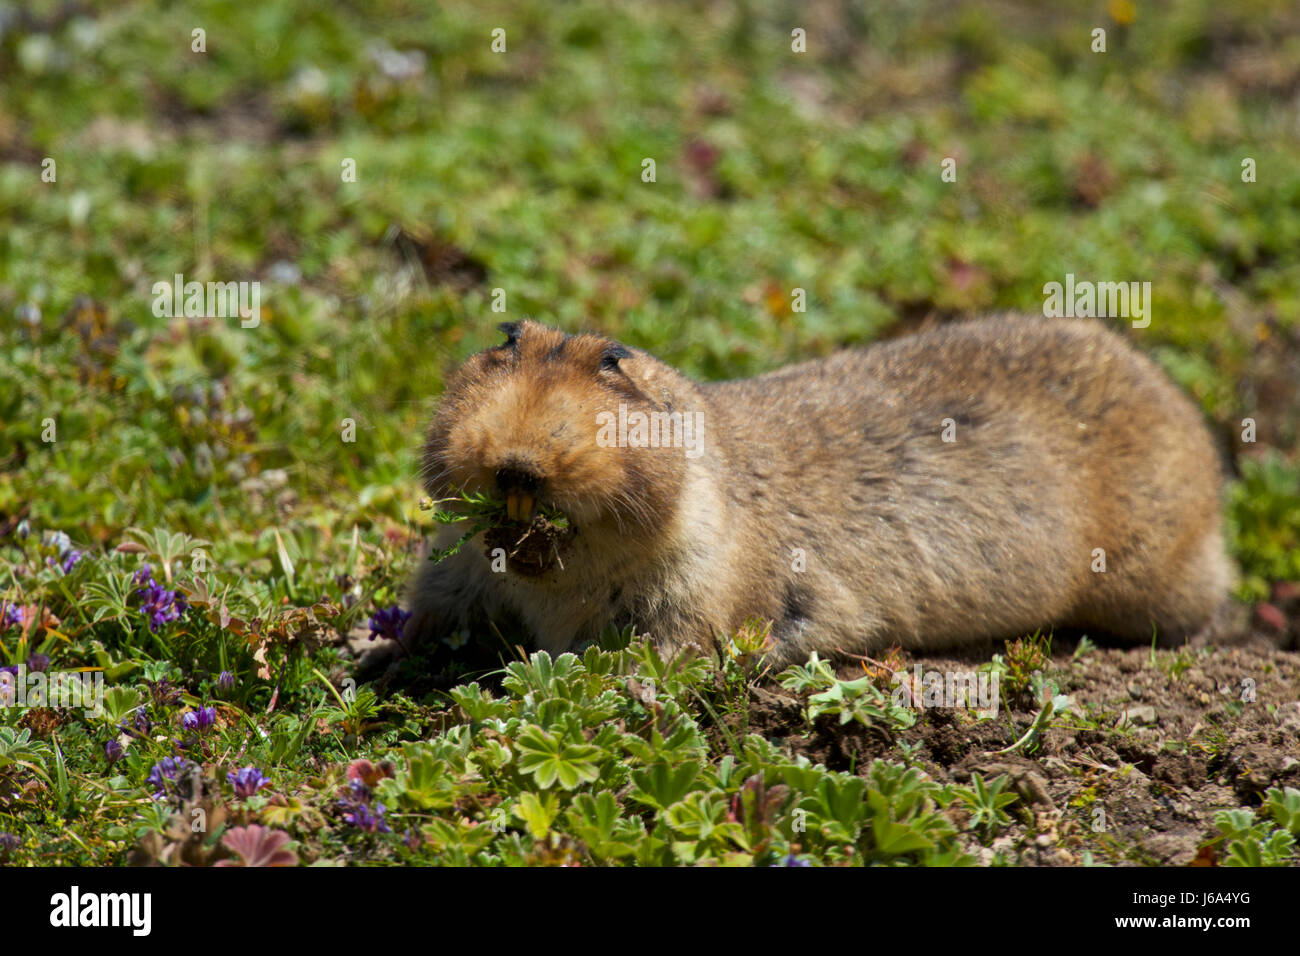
{"x": 536, "y": 421}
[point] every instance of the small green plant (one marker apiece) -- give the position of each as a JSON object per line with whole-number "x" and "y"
{"x": 1043, "y": 689}
{"x": 1247, "y": 841}
{"x": 18, "y": 749}
{"x": 1177, "y": 663}
{"x": 986, "y": 801}
{"x": 1024, "y": 658}
{"x": 858, "y": 700}
{"x": 356, "y": 709}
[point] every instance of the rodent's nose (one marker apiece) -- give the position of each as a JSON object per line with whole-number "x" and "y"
{"x": 516, "y": 480}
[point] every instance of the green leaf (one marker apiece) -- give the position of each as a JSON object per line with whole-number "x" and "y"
{"x": 661, "y": 785}
{"x": 549, "y": 759}
{"x": 537, "y": 812}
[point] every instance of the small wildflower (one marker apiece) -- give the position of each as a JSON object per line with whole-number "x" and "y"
{"x": 226, "y": 681}
{"x": 167, "y": 770}
{"x": 368, "y": 820}
{"x": 113, "y": 751}
{"x": 159, "y": 604}
{"x": 38, "y": 663}
{"x": 388, "y": 623}
{"x": 8, "y": 843}
{"x": 164, "y": 692}
{"x": 70, "y": 560}
{"x": 358, "y": 791}
{"x": 359, "y": 812}
{"x": 9, "y": 615}
{"x": 143, "y": 724}
{"x": 200, "y": 719}
{"x": 457, "y": 639}
{"x": 792, "y": 860}
{"x": 247, "y": 781}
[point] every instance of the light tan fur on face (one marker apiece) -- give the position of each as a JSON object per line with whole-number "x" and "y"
{"x": 1067, "y": 440}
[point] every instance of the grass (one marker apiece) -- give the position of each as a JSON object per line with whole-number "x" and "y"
{"x": 267, "y": 475}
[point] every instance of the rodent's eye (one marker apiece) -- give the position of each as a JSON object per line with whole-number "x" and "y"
{"x": 610, "y": 357}
{"x": 511, "y": 330}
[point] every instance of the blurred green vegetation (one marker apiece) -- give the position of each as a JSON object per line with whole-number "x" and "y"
{"x": 522, "y": 171}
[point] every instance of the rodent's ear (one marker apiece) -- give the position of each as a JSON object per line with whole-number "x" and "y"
{"x": 609, "y": 359}
{"x": 511, "y": 330}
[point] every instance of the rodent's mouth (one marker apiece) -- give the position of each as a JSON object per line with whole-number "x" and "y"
{"x": 532, "y": 548}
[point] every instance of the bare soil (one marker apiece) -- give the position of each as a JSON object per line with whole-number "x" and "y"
{"x": 1134, "y": 773}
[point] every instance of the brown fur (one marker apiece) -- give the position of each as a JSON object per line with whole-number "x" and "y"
{"x": 1067, "y": 440}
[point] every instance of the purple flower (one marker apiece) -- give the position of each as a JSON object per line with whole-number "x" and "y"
{"x": 792, "y": 860}
{"x": 226, "y": 681}
{"x": 247, "y": 781}
{"x": 368, "y": 820}
{"x": 200, "y": 719}
{"x": 113, "y": 751}
{"x": 70, "y": 560}
{"x": 167, "y": 770}
{"x": 388, "y": 623}
{"x": 164, "y": 693}
{"x": 9, "y": 615}
{"x": 38, "y": 663}
{"x": 142, "y": 723}
{"x": 359, "y": 813}
{"x": 159, "y": 604}
{"x": 9, "y": 669}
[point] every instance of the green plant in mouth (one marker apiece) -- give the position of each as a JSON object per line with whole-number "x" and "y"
{"x": 483, "y": 511}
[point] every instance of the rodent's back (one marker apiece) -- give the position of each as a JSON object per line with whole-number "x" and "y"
{"x": 1067, "y": 448}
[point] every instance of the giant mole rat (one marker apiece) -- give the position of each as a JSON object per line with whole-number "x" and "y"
{"x": 980, "y": 480}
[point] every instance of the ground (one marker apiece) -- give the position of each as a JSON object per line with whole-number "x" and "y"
{"x": 1158, "y": 750}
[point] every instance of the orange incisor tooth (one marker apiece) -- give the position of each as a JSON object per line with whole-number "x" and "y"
{"x": 512, "y": 507}
{"x": 525, "y": 507}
